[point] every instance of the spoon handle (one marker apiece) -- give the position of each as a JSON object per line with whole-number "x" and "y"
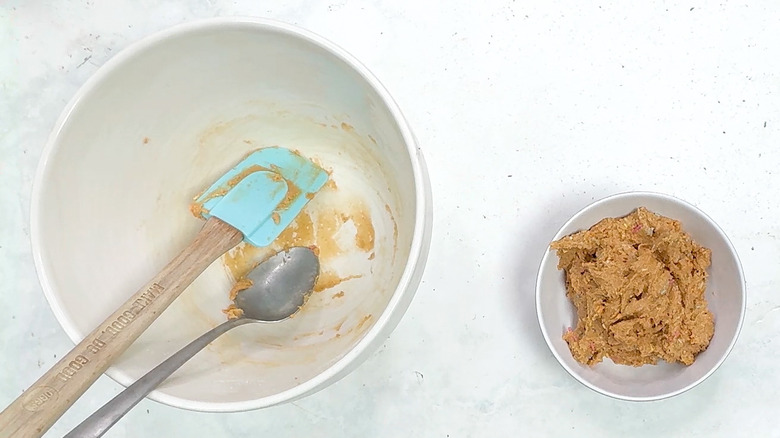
{"x": 33, "y": 412}
{"x": 99, "y": 422}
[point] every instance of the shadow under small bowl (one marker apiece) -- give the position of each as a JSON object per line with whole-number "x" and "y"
{"x": 725, "y": 295}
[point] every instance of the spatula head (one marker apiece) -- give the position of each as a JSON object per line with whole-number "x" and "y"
{"x": 263, "y": 194}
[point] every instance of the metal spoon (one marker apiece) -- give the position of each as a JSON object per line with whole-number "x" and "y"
{"x": 280, "y": 286}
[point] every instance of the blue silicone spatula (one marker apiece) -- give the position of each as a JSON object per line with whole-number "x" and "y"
{"x": 254, "y": 201}
{"x": 263, "y": 194}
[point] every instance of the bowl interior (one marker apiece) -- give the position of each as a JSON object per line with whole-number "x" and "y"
{"x": 161, "y": 122}
{"x": 725, "y": 296}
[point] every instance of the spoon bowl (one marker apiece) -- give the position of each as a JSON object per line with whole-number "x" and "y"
{"x": 279, "y": 285}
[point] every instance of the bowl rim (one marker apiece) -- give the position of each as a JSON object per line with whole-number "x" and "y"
{"x": 641, "y": 195}
{"x": 420, "y": 241}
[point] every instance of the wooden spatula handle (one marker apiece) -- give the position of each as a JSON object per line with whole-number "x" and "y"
{"x": 36, "y": 410}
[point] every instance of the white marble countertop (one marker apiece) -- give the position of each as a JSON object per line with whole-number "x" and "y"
{"x": 558, "y": 104}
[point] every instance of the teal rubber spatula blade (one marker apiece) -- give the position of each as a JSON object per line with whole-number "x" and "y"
{"x": 263, "y": 194}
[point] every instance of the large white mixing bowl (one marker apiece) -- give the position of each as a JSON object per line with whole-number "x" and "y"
{"x": 160, "y": 122}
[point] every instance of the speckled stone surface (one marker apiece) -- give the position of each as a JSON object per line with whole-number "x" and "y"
{"x": 526, "y": 112}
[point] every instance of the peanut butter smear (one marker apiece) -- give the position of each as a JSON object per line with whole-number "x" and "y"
{"x": 638, "y": 285}
{"x": 233, "y": 312}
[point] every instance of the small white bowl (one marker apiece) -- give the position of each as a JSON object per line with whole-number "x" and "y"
{"x": 160, "y": 122}
{"x": 725, "y": 296}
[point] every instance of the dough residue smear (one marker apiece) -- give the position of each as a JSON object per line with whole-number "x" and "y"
{"x": 197, "y": 210}
{"x": 638, "y": 284}
{"x": 233, "y": 312}
{"x": 395, "y": 230}
{"x": 364, "y": 235}
{"x": 242, "y": 284}
{"x": 293, "y": 193}
{"x": 363, "y": 320}
{"x": 327, "y": 280}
